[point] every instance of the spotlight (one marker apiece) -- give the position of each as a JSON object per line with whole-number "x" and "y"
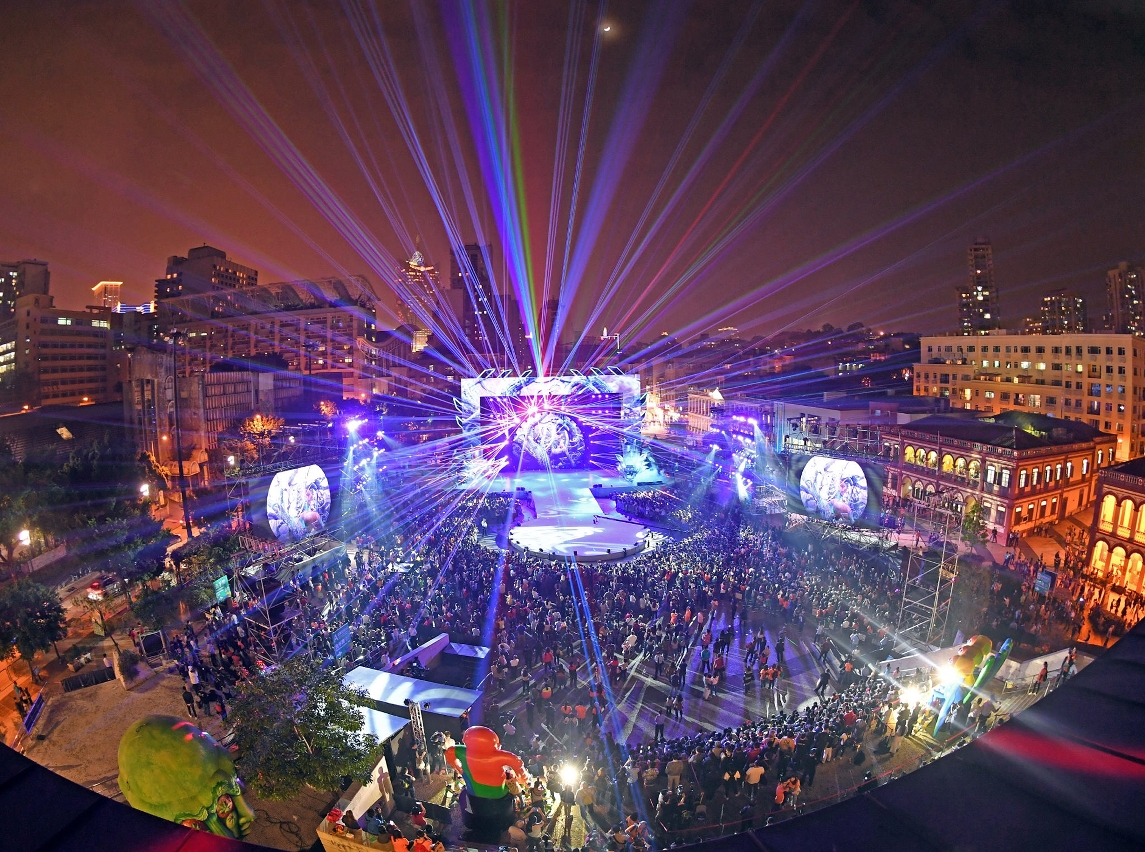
{"x": 569, "y": 775}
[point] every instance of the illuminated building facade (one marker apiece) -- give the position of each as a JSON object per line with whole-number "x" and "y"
{"x": 1125, "y": 288}
{"x": 1098, "y": 379}
{"x": 1063, "y": 312}
{"x": 57, "y": 356}
{"x": 1117, "y": 535}
{"x": 978, "y": 299}
{"x": 107, "y": 294}
{"x": 1022, "y": 469}
{"x": 205, "y": 269}
{"x": 313, "y": 326}
{"x": 21, "y": 278}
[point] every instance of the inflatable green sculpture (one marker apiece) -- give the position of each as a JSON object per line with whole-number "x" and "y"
{"x": 173, "y": 770}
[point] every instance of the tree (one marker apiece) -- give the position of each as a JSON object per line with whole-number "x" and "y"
{"x": 31, "y": 620}
{"x": 970, "y": 598}
{"x": 100, "y": 611}
{"x": 19, "y": 505}
{"x": 299, "y": 725}
{"x": 134, "y": 547}
{"x": 259, "y": 430}
{"x": 974, "y": 524}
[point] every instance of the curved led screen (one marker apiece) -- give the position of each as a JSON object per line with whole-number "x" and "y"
{"x": 833, "y": 489}
{"x": 298, "y": 503}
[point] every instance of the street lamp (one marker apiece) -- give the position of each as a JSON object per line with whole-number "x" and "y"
{"x": 145, "y": 490}
{"x": 178, "y": 434}
{"x": 25, "y": 537}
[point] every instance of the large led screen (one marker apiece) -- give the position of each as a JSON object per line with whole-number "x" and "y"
{"x": 835, "y": 489}
{"x": 298, "y": 503}
{"x": 554, "y": 423}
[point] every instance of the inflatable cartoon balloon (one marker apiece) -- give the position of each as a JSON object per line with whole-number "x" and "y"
{"x": 172, "y": 770}
{"x": 487, "y": 806}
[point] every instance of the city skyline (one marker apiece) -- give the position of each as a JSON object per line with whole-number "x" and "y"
{"x": 839, "y": 166}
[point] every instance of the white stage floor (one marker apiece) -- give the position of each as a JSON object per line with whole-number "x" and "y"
{"x": 570, "y": 521}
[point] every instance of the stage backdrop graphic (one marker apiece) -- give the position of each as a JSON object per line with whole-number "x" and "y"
{"x": 562, "y": 422}
{"x": 832, "y": 489}
{"x": 293, "y": 504}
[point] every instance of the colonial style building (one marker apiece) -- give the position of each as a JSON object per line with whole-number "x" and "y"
{"x": 1117, "y": 536}
{"x": 1022, "y": 469}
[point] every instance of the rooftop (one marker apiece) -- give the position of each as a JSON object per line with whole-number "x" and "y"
{"x": 1014, "y": 429}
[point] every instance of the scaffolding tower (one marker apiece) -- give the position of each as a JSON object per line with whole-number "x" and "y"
{"x": 928, "y": 582}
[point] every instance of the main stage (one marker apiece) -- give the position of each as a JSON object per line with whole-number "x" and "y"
{"x": 576, "y": 517}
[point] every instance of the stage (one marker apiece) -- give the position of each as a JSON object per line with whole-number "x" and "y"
{"x": 572, "y": 520}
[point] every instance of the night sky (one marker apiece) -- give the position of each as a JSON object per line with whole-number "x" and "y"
{"x": 772, "y": 165}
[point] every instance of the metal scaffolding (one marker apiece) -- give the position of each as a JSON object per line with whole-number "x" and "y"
{"x": 928, "y": 582}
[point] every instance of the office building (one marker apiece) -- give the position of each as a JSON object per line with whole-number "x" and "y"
{"x": 313, "y": 326}
{"x": 1098, "y": 379}
{"x": 1063, "y": 312}
{"x": 21, "y": 278}
{"x": 53, "y": 356}
{"x": 419, "y": 303}
{"x": 205, "y": 269}
{"x": 1125, "y": 289}
{"x": 210, "y": 404}
{"x": 490, "y": 318}
{"x": 107, "y": 294}
{"x": 978, "y": 300}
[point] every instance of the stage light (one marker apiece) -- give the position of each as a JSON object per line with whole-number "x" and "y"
{"x": 25, "y": 537}
{"x": 948, "y": 676}
{"x": 291, "y": 439}
{"x": 352, "y": 425}
{"x": 569, "y": 774}
{"x": 910, "y": 695}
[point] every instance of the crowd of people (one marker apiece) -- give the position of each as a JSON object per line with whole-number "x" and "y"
{"x": 566, "y": 640}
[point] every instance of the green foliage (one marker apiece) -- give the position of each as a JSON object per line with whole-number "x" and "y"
{"x": 156, "y": 609}
{"x": 970, "y": 599}
{"x": 298, "y": 725}
{"x": 974, "y": 524}
{"x": 31, "y": 619}
{"x": 207, "y": 556}
{"x": 128, "y": 664}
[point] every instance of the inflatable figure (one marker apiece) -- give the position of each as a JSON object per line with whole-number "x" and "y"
{"x": 990, "y": 668}
{"x": 965, "y": 664}
{"x": 172, "y": 770}
{"x": 968, "y": 657}
{"x": 487, "y": 807}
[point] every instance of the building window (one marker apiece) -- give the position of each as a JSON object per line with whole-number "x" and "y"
{"x": 1005, "y": 481}
{"x": 1022, "y": 478}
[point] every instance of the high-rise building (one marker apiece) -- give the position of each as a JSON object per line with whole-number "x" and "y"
{"x": 107, "y": 294}
{"x": 1125, "y": 287}
{"x": 21, "y": 278}
{"x": 419, "y": 286}
{"x": 1064, "y": 312}
{"x": 1095, "y": 378}
{"x": 57, "y": 356}
{"x": 978, "y": 300}
{"x": 481, "y": 307}
{"x": 205, "y": 269}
